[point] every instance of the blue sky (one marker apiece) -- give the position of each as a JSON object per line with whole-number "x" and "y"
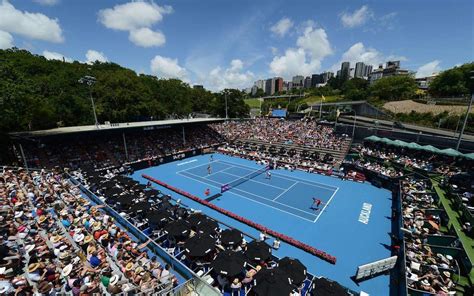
{"x": 224, "y": 43}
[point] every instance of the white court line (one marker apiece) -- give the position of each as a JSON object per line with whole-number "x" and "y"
{"x": 286, "y": 190}
{"x": 221, "y": 171}
{"x": 253, "y": 200}
{"x": 326, "y": 205}
{"x": 186, "y": 162}
{"x": 252, "y": 180}
{"x": 313, "y": 183}
{"x": 259, "y": 196}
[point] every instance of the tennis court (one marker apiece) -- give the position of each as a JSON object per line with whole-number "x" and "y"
{"x": 290, "y": 195}
{"x": 283, "y": 204}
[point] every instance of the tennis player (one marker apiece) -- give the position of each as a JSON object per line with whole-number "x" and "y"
{"x": 269, "y": 175}
{"x": 316, "y": 203}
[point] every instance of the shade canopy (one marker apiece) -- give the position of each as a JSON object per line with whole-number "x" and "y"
{"x": 372, "y": 139}
{"x": 450, "y": 152}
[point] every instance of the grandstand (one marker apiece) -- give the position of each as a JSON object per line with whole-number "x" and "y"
{"x": 122, "y": 209}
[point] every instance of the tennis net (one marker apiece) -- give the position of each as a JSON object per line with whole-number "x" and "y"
{"x": 243, "y": 179}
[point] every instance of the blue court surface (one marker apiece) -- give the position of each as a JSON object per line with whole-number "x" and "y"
{"x": 341, "y": 226}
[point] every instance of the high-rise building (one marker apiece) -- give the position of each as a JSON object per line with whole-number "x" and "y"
{"x": 359, "y": 70}
{"x": 278, "y": 84}
{"x": 367, "y": 70}
{"x": 376, "y": 74}
{"x": 351, "y": 73}
{"x": 254, "y": 90}
{"x": 298, "y": 81}
{"x": 338, "y": 74}
{"x": 260, "y": 84}
{"x": 270, "y": 87}
{"x": 345, "y": 71}
{"x": 392, "y": 68}
{"x": 326, "y": 76}
{"x": 307, "y": 82}
{"x": 316, "y": 79}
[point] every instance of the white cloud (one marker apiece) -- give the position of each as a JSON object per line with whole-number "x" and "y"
{"x": 31, "y": 25}
{"x": 282, "y": 27}
{"x": 359, "y": 53}
{"x": 313, "y": 47}
{"x": 316, "y": 42}
{"x": 165, "y": 67}
{"x": 51, "y": 55}
{"x": 146, "y": 37}
{"x": 428, "y": 69}
{"x": 231, "y": 77}
{"x": 92, "y": 56}
{"x": 6, "y": 40}
{"x": 357, "y": 18}
{"x": 47, "y": 2}
{"x": 294, "y": 62}
{"x": 133, "y": 15}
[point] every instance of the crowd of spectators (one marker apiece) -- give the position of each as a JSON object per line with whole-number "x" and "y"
{"x": 427, "y": 269}
{"x": 410, "y": 158}
{"x": 304, "y": 132}
{"x": 55, "y": 241}
{"x": 103, "y": 150}
{"x": 158, "y": 215}
{"x": 290, "y": 161}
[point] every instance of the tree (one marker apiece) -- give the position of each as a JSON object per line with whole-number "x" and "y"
{"x": 36, "y": 93}
{"x": 393, "y": 88}
{"x": 236, "y": 107}
{"x": 453, "y": 82}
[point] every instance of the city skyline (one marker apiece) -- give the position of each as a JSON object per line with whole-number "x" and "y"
{"x": 231, "y": 45}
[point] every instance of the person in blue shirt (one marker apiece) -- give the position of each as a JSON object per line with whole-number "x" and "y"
{"x": 94, "y": 260}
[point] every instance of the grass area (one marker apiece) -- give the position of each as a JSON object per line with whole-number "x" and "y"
{"x": 316, "y": 99}
{"x": 253, "y": 103}
{"x": 467, "y": 242}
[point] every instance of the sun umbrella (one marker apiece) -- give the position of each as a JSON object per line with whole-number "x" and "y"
{"x": 151, "y": 193}
{"x": 165, "y": 198}
{"x": 325, "y": 287}
{"x": 139, "y": 207}
{"x": 257, "y": 251}
{"x": 433, "y": 224}
{"x": 125, "y": 200}
{"x": 231, "y": 237}
{"x": 181, "y": 213}
{"x": 139, "y": 187}
{"x": 158, "y": 217}
{"x": 273, "y": 282}
{"x": 229, "y": 263}
{"x": 294, "y": 268}
{"x": 196, "y": 218}
{"x": 178, "y": 229}
{"x": 200, "y": 245}
{"x": 112, "y": 191}
{"x": 164, "y": 205}
{"x": 208, "y": 226}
